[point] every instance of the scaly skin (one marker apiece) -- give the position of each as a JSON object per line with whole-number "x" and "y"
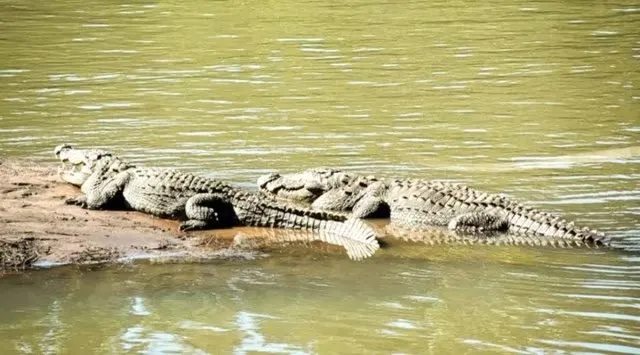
{"x": 416, "y": 203}
{"x": 110, "y": 182}
{"x": 439, "y": 235}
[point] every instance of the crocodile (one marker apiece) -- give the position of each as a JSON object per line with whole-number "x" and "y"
{"x": 109, "y": 182}
{"x": 419, "y": 203}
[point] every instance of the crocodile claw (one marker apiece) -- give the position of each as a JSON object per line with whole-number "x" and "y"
{"x": 78, "y": 201}
{"x": 192, "y": 224}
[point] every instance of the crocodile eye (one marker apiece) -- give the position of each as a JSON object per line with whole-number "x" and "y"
{"x": 363, "y": 184}
{"x": 345, "y": 180}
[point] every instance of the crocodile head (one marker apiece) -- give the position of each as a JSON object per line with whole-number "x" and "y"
{"x": 305, "y": 186}
{"x": 79, "y": 164}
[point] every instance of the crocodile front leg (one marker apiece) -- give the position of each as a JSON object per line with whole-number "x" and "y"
{"x": 80, "y": 200}
{"x": 364, "y": 201}
{"x": 208, "y": 211}
{"x": 338, "y": 200}
{"x": 371, "y": 200}
{"x": 99, "y": 194}
{"x": 371, "y": 207}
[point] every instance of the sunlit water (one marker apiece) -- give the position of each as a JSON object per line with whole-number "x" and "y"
{"x": 536, "y": 99}
{"x": 451, "y": 302}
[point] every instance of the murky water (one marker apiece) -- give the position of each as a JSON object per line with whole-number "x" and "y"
{"x": 450, "y": 302}
{"x": 536, "y": 99}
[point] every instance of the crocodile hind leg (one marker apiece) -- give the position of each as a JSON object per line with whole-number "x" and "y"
{"x": 478, "y": 222}
{"x": 466, "y": 222}
{"x": 208, "y": 211}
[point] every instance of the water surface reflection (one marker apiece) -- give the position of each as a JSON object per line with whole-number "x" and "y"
{"x": 448, "y": 300}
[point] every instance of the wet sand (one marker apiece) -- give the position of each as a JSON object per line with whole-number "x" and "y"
{"x": 38, "y": 229}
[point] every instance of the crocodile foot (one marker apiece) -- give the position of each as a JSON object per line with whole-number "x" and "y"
{"x": 478, "y": 222}
{"x": 193, "y": 224}
{"x": 78, "y": 201}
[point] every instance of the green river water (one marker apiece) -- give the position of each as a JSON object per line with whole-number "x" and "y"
{"x": 537, "y": 99}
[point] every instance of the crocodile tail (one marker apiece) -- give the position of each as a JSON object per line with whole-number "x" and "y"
{"x": 354, "y": 235}
{"x": 523, "y": 219}
{"x": 435, "y": 236}
{"x": 529, "y": 221}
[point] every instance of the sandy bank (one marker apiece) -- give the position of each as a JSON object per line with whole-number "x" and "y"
{"x": 38, "y": 228}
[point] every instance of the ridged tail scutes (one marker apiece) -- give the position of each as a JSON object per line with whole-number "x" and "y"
{"x": 527, "y": 221}
{"x": 357, "y": 237}
{"x": 437, "y": 236}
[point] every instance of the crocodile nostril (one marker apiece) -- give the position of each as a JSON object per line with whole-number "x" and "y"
{"x": 59, "y": 148}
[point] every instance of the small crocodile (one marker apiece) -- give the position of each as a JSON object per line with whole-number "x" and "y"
{"x": 417, "y": 203}
{"x": 108, "y": 181}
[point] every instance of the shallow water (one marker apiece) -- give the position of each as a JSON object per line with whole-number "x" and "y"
{"x": 535, "y": 99}
{"x": 447, "y": 301}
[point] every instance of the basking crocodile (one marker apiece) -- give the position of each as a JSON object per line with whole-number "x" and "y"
{"x": 110, "y": 182}
{"x": 415, "y": 203}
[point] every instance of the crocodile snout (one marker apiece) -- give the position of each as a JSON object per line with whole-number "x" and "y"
{"x": 264, "y": 180}
{"x": 59, "y": 149}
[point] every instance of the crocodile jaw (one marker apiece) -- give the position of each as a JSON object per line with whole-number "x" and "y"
{"x": 77, "y": 164}
{"x": 76, "y": 178}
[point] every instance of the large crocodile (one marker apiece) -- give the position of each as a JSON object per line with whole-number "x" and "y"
{"x": 110, "y": 182}
{"x": 416, "y": 203}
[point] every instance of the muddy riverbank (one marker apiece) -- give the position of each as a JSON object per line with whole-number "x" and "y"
{"x": 38, "y": 229}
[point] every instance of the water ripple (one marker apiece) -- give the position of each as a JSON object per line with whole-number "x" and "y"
{"x": 622, "y": 349}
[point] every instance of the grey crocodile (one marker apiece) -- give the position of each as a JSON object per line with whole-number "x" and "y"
{"x": 108, "y": 181}
{"x": 416, "y": 203}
